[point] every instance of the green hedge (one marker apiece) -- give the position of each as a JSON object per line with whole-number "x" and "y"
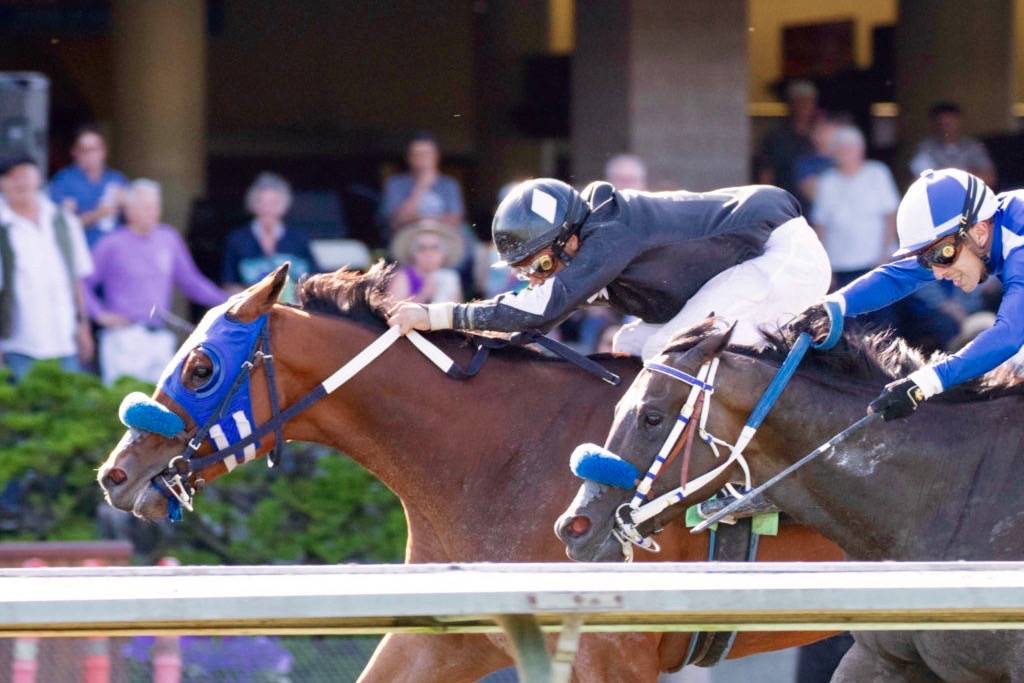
{"x": 318, "y": 507}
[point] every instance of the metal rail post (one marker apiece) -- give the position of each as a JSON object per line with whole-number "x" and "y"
{"x": 533, "y": 664}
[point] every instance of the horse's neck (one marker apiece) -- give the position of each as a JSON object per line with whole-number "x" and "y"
{"x": 909, "y": 489}
{"x": 470, "y": 458}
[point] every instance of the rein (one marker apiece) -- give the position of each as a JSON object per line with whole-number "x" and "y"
{"x": 175, "y": 481}
{"x": 629, "y": 516}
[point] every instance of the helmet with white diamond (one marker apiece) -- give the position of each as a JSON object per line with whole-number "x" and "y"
{"x": 941, "y": 203}
{"x": 536, "y": 214}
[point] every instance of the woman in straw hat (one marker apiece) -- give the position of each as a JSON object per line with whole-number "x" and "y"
{"x": 426, "y": 252}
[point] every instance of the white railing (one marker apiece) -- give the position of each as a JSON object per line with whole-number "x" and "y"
{"x": 521, "y": 599}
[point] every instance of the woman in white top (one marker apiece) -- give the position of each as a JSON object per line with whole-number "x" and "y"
{"x": 855, "y": 208}
{"x": 426, "y": 252}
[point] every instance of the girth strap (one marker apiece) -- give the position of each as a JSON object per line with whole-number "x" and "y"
{"x": 730, "y": 543}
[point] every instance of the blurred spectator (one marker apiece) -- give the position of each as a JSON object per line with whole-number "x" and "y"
{"x": 138, "y": 269}
{"x": 87, "y": 187}
{"x": 605, "y": 341}
{"x": 254, "y": 250}
{"x": 43, "y": 255}
{"x": 626, "y": 172}
{"x": 423, "y": 192}
{"x": 426, "y": 252}
{"x": 946, "y": 147}
{"x": 783, "y": 145}
{"x": 587, "y": 326}
{"x": 855, "y": 208}
{"x": 807, "y": 169}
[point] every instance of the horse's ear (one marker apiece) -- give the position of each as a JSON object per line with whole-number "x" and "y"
{"x": 701, "y": 342}
{"x": 712, "y": 345}
{"x": 258, "y": 299}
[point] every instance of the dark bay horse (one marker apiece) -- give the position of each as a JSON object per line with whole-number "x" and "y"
{"x": 479, "y": 465}
{"x": 943, "y": 485}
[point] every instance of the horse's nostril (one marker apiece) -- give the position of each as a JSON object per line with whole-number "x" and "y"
{"x": 116, "y": 476}
{"x": 578, "y": 526}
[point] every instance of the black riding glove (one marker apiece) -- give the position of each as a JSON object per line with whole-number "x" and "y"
{"x": 815, "y": 321}
{"x": 898, "y": 399}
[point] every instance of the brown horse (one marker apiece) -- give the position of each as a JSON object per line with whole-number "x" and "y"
{"x": 479, "y": 465}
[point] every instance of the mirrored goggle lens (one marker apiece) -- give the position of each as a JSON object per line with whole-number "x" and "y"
{"x": 942, "y": 253}
{"x": 540, "y": 266}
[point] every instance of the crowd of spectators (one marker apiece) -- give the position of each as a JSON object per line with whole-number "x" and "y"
{"x": 851, "y": 201}
{"x": 86, "y": 258}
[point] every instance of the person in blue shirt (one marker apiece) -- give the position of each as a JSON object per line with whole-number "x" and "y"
{"x": 87, "y": 187}
{"x": 951, "y": 227}
{"x": 423, "y": 192}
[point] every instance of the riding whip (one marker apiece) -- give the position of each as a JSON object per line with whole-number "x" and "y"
{"x": 823, "y": 448}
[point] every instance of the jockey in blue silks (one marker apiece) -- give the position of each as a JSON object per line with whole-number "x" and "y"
{"x": 951, "y": 227}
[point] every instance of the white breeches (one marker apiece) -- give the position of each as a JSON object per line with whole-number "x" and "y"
{"x": 769, "y": 290}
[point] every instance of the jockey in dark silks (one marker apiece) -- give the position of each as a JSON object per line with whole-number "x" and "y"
{"x": 668, "y": 258}
{"x": 951, "y": 227}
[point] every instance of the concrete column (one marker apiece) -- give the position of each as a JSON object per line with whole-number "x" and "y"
{"x": 506, "y": 33}
{"x": 957, "y": 51}
{"x": 667, "y": 80}
{"x": 160, "y": 97}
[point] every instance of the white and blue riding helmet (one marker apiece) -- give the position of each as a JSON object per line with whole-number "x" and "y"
{"x": 941, "y": 203}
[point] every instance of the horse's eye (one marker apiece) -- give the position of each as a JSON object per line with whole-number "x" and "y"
{"x": 652, "y": 419}
{"x": 201, "y": 372}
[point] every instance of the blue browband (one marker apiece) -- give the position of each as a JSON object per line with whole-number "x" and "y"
{"x": 680, "y": 375}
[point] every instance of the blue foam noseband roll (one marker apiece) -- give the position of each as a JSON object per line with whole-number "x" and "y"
{"x": 595, "y": 463}
{"x": 139, "y": 411}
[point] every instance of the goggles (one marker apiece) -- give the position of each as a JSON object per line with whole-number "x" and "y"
{"x": 542, "y": 266}
{"x": 942, "y": 252}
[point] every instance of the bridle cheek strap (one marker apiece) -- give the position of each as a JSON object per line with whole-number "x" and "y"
{"x": 697, "y": 403}
{"x": 628, "y": 518}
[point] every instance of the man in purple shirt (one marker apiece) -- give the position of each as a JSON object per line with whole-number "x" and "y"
{"x": 138, "y": 269}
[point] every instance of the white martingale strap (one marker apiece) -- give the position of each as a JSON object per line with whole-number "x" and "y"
{"x": 379, "y": 346}
{"x": 430, "y": 350}
{"x": 362, "y": 359}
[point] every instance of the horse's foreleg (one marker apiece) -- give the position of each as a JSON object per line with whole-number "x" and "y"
{"x": 860, "y": 664}
{"x": 620, "y": 657}
{"x": 425, "y": 658}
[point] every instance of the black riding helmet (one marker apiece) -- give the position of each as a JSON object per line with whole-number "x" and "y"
{"x": 537, "y": 213}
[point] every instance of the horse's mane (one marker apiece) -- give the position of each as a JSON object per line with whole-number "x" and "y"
{"x": 360, "y": 297}
{"x": 862, "y": 356}
{"x": 363, "y": 298}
